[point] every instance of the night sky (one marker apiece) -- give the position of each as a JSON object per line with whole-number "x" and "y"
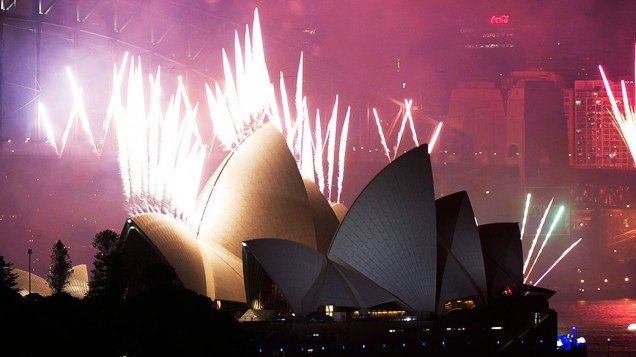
{"x": 363, "y": 50}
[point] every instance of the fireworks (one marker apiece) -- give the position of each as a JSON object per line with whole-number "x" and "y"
{"x": 547, "y": 237}
{"x": 431, "y": 143}
{"x": 558, "y": 260}
{"x": 151, "y": 156}
{"x": 78, "y": 112}
{"x": 530, "y": 255}
{"x": 405, "y": 113}
{"x": 624, "y": 121}
{"x": 161, "y": 153}
{"x": 240, "y": 107}
{"x": 536, "y": 236}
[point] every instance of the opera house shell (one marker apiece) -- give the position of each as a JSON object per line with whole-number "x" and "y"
{"x": 262, "y": 233}
{"x": 77, "y": 284}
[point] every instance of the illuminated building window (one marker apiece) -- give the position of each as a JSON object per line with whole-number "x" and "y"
{"x": 329, "y": 310}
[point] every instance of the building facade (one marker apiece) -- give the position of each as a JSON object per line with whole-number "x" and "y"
{"x": 596, "y": 142}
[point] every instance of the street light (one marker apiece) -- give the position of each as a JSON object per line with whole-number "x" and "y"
{"x": 29, "y": 251}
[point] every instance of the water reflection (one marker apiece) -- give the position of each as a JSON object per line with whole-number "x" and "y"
{"x": 603, "y": 323}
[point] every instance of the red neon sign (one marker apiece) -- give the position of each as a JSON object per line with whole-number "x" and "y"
{"x": 503, "y": 19}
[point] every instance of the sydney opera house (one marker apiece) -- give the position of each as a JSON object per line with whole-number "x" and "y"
{"x": 396, "y": 271}
{"x": 34, "y": 284}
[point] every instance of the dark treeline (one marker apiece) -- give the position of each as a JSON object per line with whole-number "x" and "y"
{"x": 170, "y": 322}
{"x": 164, "y": 319}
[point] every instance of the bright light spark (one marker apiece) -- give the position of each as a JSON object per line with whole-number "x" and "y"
{"x": 343, "y": 149}
{"x": 408, "y": 104}
{"x": 246, "y": 99}
{"x": 434, "y": 137}
{"x": 328, "y": 145}
{"x": 161, "y": 155}
{"x": 558, "y": 260}
{"x": 331, "y": 152}
{"x": 381, "y": 133}
{"x": 318, "y": 149}
{"x": 536, "y": 236}
{"x": 553, "y": 225}
{"x": 239, "y": 107}
{"x": 545, "y": 240}
{"x": 525, "y": 215}
{"x": 48, "y": 129}
{"x": 286, "y": 111}
{"x": 307, "y": 154}
{"x": 77, "y": 112}
{"x": 399, "y": 138}
{"x": 114, "y": 105}
{"x": 406, "y": 117}
{"x": 299, "y": 88}
{"x": 624, "y": 121}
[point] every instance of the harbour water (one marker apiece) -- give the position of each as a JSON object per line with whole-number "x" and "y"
{"x": 603, "y": 323}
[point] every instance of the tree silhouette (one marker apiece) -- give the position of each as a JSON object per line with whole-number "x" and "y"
{"x": 161, "y": 277}
{"x": 61, "y": 268}
{"x": 8, "y": 278}
{"x": 107, "y": 279}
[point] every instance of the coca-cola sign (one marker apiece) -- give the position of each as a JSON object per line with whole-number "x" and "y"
{"x": 503, "y": 19}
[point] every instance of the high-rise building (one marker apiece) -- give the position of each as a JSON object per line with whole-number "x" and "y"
{"x": 597, "y": 143}
{"x": 519, "y": 122}
{"x": 490, "y": 47}
{"x": 513, "y": 132}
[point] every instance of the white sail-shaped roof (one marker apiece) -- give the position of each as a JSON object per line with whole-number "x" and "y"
{"x": 389, "y": 232}
{"x": 325, "y": 220}
{"x": 308, "y": 279}
{"x": 256, "y": 192}
{"x": 503, "y": 256}
{"x": 152, "y": 237}
{"x": 38, "y": 284}
{"x": 461, "y": 271}
{"x": 223, "y": 271}
{"x": 394, "y": 244}
{"x": 78, "y": 282}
